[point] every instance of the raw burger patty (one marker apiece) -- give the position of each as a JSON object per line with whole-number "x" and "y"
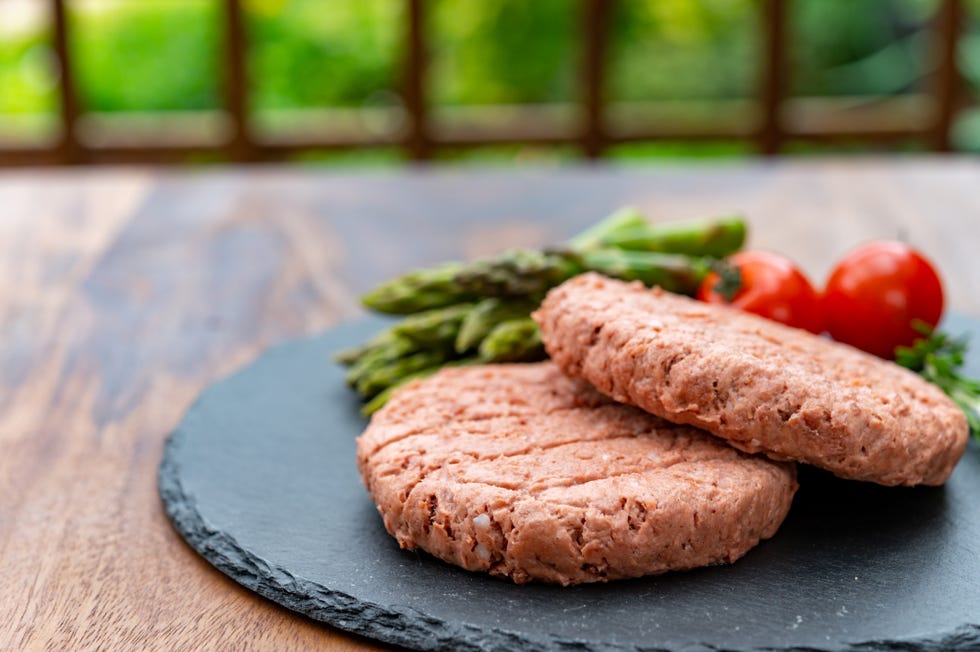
{"x": 762, "y": 386}
{"x": 523, "y": 472}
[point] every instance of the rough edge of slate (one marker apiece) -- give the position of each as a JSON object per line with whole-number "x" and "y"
{"x": 407, "y": 627}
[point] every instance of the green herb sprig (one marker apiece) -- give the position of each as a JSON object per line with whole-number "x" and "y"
{"x": 938, "y": 358}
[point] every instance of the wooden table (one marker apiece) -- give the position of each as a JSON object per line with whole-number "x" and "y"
{"x": 125, "y": 292}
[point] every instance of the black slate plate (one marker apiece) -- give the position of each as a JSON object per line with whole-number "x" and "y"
{"x": 260, "y": 480}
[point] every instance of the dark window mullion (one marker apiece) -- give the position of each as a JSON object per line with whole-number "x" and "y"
{"x": 948, "y": 82}
{"x": 770, "y": 135}
{"x": 595, "y": 61}
{"x": 69, "y": 149}
{"x": 240, "y": 145}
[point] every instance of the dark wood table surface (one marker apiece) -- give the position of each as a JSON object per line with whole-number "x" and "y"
{"x": 126, "y": 291}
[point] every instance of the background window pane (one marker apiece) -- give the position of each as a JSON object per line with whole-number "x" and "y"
{"x": 871, "y": 47}
{"x": 151, "y": 55}
{"x": 311, "y": 53}
{"x": 504, "y": 51}
{"x": 966, "y": 129}
{"x": 28, "y": 73}
{"x": 684, "y": 49}
{"x": 325, "y": 68}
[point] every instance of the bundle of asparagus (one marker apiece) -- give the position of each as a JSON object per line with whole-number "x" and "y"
{"x": 469, "y": 313}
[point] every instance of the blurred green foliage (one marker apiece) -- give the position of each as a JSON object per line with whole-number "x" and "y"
{"x": 165, "y": 54}
{"x": 881, "y": 49}
{"x": 684, "y": 50}
{"x": 308, "y": 53}
{"x": 504, "y": 51}
{"x": 152, "y": 54}
{"x": 26, "y": 80}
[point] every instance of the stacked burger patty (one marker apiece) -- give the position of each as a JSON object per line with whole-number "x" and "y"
{"x": 662, "y": 436}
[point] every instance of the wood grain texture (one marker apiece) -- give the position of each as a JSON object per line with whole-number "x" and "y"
{"x": 124, "y": 293}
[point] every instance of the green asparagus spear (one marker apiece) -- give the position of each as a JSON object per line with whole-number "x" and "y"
{"x": 347, "y": 357}
{"x": 382, "y": 397}
{"x": 516, "y": 273}
{"x": 529, "y": 274}
{"x": 608, "y": 230}
{"x": 437, "y": 327}
{"x": 674, "y": 272}
{"x": 478, "y": 322}
{"x": 391, "y": 349}
{"x": 517, "y": 340}
{"x": 433, "y": 287}
{"x": 460, "y": 327}
{"x": 716, "y": 238}
{"x": 380, "y": 378}
{"x": 485, "y": 304}
{"x": 454, "y": 282}
{"x": 432, "y": 328}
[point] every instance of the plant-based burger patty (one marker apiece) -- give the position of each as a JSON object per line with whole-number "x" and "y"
{"x": 762, "y": 386}
{"x": 522, "y": 472}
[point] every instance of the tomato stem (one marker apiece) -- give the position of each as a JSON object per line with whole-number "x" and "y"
{"x": 729, "y": 279}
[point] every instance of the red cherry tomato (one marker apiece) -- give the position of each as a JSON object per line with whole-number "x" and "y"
{"x": 875, "y": 294}
{"x": 772, "y": 286}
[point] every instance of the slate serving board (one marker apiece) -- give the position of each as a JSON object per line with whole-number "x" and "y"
{"x": 260, "y": 479}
